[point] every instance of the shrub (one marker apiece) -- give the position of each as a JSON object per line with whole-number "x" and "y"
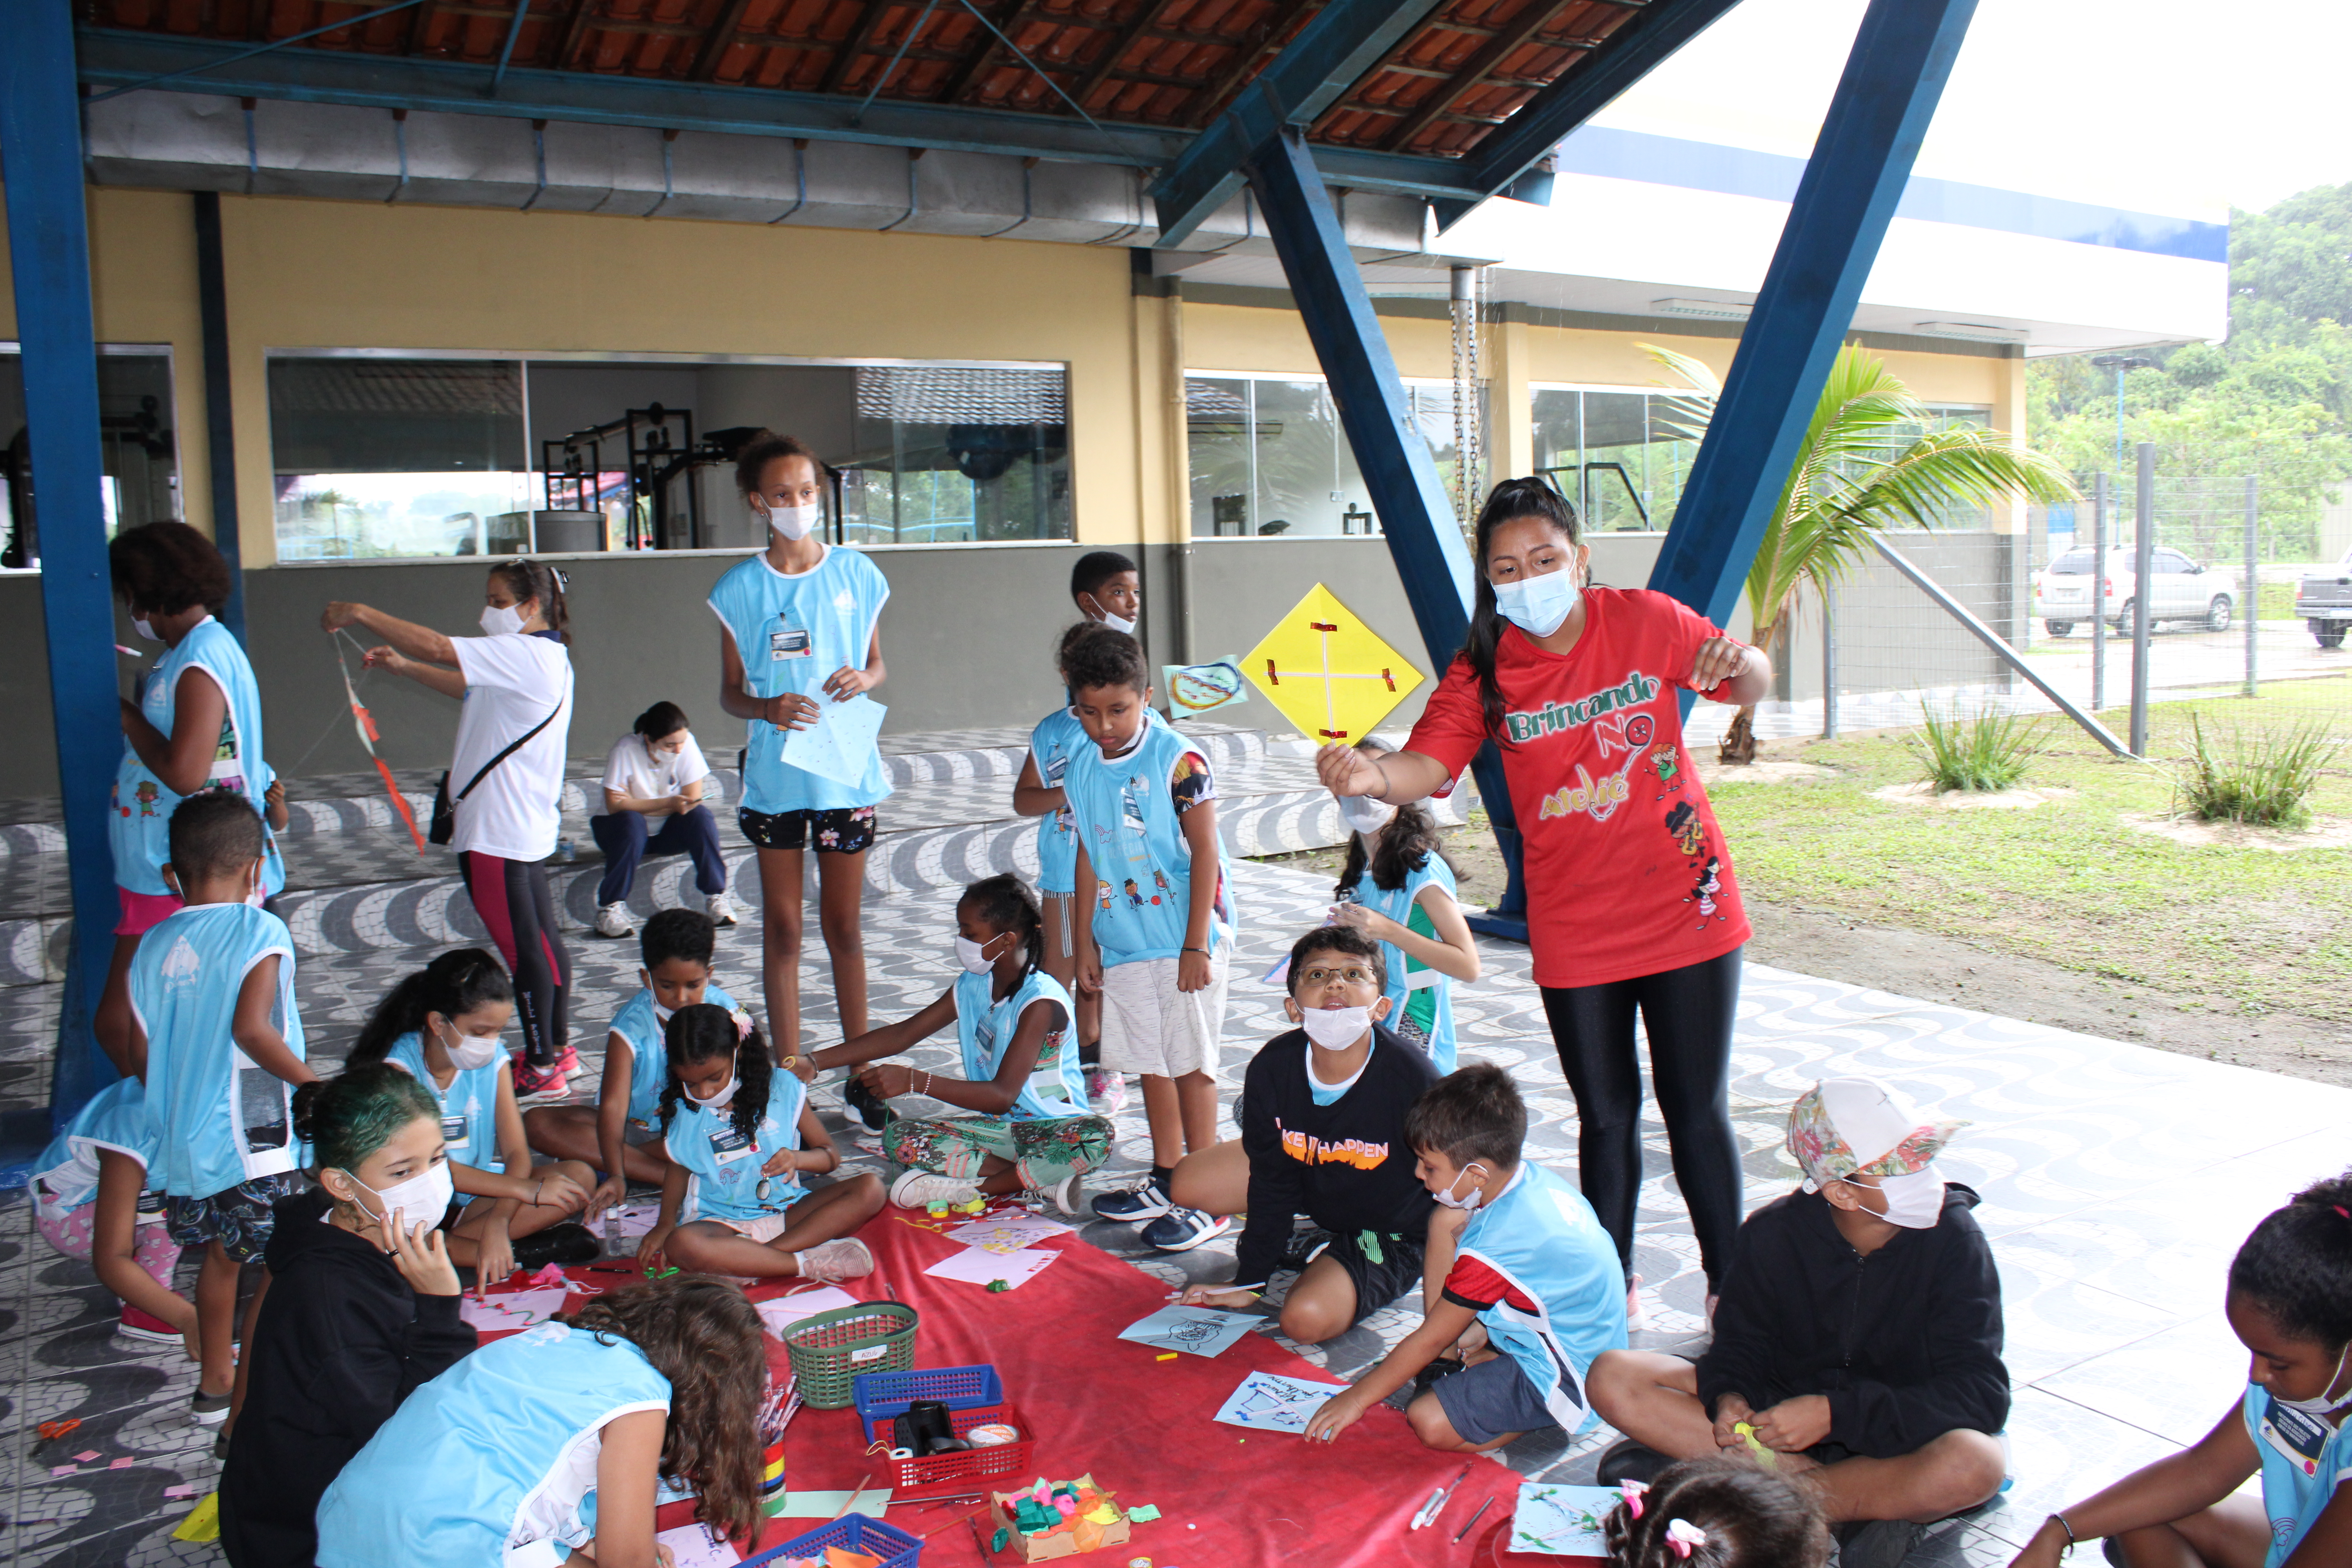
{"x": 1985, "y": 750}
{"x": 2262, "y": 781}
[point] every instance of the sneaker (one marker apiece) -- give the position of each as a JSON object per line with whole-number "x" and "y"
{"x": 209, "y": 1409}
{"x": 138, "y": 1325}
{"x": 1181, "y": 1230}
{"x": 830, "y": 1262}
{"x": 563, "y": 1245}
{"x": 921, "y": 1189}
{"x": 613, "y": 919}
{"x": 1629, "y": 1461}
{"x": 1145, "y": 1200}
{"x": 1106, "y": 1091}
{"x": 867, "y": 1107}
{"x": 1440, "y": 1366}
{"x": 1637, "y": 1317}
{"x": 1306, "y": 1245}
{"x": 723, "y": 909}
{"x": 1064, "y": 1195}
{"x": 532, "y": 1081}
{"x": 1877, "y": 1543}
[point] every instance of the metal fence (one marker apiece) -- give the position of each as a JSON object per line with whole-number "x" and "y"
{"x": 2041, "y": 619}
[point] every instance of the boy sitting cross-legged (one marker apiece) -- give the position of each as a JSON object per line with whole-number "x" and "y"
{"x": 1533, "y": 1265}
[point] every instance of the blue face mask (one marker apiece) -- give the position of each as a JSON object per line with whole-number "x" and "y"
{"x": 1538, "y": 605}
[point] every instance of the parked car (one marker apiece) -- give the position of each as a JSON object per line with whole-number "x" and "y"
{"x": 2322, "y": 601}
{"x": 2066, "y": 592}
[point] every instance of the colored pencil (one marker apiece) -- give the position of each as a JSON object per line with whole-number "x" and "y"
{"x": 1474, "y": 1520}
{"x": 854, "y": 1493}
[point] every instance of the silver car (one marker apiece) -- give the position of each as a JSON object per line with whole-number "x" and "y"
{"x": 2066, "y": 591}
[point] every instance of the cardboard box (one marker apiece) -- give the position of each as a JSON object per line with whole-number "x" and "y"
{"x": 1062, "y": 1543}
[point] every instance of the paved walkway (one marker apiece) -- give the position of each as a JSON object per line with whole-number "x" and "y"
{"x": 2117, "y": 1182}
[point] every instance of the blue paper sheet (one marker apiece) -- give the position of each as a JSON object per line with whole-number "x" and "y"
{"x": 1272, "y": 1402}
{"x": 1195, "y": 1330}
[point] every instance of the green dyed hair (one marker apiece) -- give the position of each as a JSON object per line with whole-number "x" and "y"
{"x": 349, "y": 1117}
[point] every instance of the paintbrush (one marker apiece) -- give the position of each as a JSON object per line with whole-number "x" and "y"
{"x": 1438, "y": 1499}
{"x": 978, "y": 1540}
{"x": 1474, "y": 1522}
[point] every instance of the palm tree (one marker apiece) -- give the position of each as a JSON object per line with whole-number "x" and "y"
{"x": 1870, "y": 461}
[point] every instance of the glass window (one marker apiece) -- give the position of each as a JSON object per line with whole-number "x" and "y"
{"x": 1622, "y": 455}
{"x": 946, "y": 453}
{"x": 139, "y": 448}
{"x": 1267, "y": 457}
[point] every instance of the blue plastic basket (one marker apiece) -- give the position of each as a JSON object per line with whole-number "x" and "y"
{"x": 883, "y": 1394}
{"x": 855, "y": 1532}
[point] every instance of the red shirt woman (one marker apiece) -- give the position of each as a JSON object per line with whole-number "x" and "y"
{"x": 1632, "y": 904}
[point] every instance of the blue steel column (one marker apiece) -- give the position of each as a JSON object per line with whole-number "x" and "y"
{"x": 48, "y": 245}
{"x": 1869, "y": 139}
{"x": 1424, "y": 537}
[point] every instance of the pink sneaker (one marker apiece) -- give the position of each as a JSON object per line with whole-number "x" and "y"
{"x": 138, "y": 1325}
{"x": 535, "y": 1082}
{"x": 830, "y": 1262}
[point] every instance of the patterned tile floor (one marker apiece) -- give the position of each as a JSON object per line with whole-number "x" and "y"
{"x": 2117, "y": 1181}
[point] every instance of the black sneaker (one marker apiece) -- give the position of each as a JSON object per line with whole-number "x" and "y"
{"x": 870, "y": 1108}
{"x": 562, "y": 1244}
{"x": 1443, "y": 1366}
{"x": 1877, "y": 1543}
{"x": 1305, "y": 1246}
{"x": 1629, "y": 1461}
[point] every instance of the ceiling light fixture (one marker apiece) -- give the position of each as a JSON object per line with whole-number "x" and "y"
{"x": 1715, "y": 309}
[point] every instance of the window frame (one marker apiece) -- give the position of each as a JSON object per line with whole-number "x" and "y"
{"x": 14, "y": 348}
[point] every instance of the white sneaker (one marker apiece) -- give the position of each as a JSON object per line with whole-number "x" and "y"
{"x": 723, "y": 909}
{"x": 921, "y": 1189}
{"x": 1637, "y": 1317}
{"x": 830, "y": 1262}
{"x": 1063, "y": 1194}
{"x": 613, "y": 919}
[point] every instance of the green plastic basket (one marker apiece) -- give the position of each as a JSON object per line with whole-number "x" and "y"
{"x": 831, "y": 1349}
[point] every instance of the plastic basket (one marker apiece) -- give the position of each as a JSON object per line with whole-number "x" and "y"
{"x": 887, "y": 1394}
{"x": 831, "y": 1349}
{"x": 855, "y": 1532}
{"x": 994, "y": 1468}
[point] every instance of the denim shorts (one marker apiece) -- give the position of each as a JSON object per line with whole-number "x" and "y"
{"x": 1485, "y": 1401}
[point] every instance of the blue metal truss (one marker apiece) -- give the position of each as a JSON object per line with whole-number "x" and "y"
{"x": 1893, "y": 79}
{"x": 48, "y": 245}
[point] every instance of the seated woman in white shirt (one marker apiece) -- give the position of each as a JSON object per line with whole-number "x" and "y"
{"x": 653, "y": 805}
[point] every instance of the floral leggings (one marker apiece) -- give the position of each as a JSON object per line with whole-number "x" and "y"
{"x": 1042, "y": 1152}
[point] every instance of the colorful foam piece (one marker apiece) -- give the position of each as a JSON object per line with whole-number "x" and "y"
{"x": 1142, "y": 1514}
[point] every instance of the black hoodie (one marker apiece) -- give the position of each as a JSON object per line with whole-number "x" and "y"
{"x": 340, "y": 1341}
{"x": 1905, "y": 1341}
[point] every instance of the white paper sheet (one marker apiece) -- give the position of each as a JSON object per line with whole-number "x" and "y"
{"x": 784, "y": 1312}
{"x": 841, "y": 742}
{"x": 1270, "y": 1402}
{"x": 978, "y": 1267}
{"x": 1007, "y": 1232}
{"x": 1562, "y": 1520}
{"x": 1195, "y": 1330}
{"x": 514, "y": 1309}
{"x": 692, "y": 1546}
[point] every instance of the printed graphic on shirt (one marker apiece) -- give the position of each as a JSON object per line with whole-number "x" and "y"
{"x": 181, "y": 965}
{"x": 1309, "y": 1150}
{"x": 1553, "y": 718}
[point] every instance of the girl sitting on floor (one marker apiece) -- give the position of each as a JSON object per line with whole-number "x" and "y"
{"x": 361, "y": 1309}
{"x": 1717, "y": 1513}
{"x": 740, "y": 1134}
{"x": 90, "y": 1201}
{"x": 490, "y": 1462}
{"x": 1031, "y": 1133}
{"x": 2290, "y": 1302}
{"x": 441, "y": 1025}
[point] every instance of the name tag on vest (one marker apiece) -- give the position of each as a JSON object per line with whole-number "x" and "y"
{"x": 728, "y": 1145}
{"x": 789, "y": 642}
{"x": 453, "y": 1130}
{"x": 2298, "y": 1437}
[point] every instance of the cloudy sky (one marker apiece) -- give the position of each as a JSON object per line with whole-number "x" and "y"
{"x": 2170, "y": 106}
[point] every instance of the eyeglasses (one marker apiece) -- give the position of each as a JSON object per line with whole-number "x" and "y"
{"x": 1351, "y": 975}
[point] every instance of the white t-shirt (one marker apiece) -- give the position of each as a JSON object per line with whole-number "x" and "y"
{"x": 511, "y": 682}
{"x": 634, "y": 769}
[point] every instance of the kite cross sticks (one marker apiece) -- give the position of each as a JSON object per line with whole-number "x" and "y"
{"x": 1327, "y": 672}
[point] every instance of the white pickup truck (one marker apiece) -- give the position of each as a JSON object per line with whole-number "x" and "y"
{"x": 2322, "y": 601}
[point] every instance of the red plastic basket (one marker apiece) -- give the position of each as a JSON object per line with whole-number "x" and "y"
{"x": 974, "y": 1470}
{"x": 856, "y": 1533}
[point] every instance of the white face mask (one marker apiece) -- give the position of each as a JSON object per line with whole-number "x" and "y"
{"x": 973, "y": 956}
{"x": 2323, "y": 1403}
{"x": 662, "y": 1014}
{"x": 1477, "y": 1195}
{"x": 793, "y": 522}
{"x": 1116, "y": 623}
{"x": 1364, "y": 815}
{"x": 467, "y": 1052}
{"x": 1335, "y": 1029}
{"x": 1916, "y": 1201}
{"x": 722, "y": 1096}
{"x": 422, "y": 1199}
{"x": 1538, "y": 605}
{"x": 501, "y": 620}
{"x": 144, "y": 629}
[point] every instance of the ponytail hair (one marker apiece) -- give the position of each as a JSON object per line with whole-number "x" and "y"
{"x": 455, "y": 983}
{"x": 751, "y": 460}
{"x": 529, "y": 579}
{"x": 1731, "y": 1514}
{"x": 703, "y": 1030}
{"x": 349, "y": 1117}
{"x": 1507, "y": 503}
{"x": 2298, "y": 1264}
{"x": 703, "y": 1335}
{"x": 660, "y": 722}
{"x": 1400, "y": 849}
{"x": 1005, "y": 903}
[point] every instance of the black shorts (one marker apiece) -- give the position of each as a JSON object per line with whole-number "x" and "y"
{"x": 239, "y": 1217}
{"x": 845, "y": 830}
{"x": 1384, "y": 1269}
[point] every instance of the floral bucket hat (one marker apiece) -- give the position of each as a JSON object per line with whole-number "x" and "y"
{"x": 1845, "y": 1127}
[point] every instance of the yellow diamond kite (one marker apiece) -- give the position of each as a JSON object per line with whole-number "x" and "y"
{"x": 1326, "y": 671}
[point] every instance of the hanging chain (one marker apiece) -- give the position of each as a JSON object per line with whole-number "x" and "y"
{"x": 1469, "y": 435}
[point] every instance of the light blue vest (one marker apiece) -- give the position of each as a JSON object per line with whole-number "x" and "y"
{"x": 139, "y": 825}
{"x": 1142, "y": 865}
{"x": 486, "y": 1466}
{"x": 649, "y": 1056}
{"x": 2304, "y": 1459}
{"x": 724, "y": 1170}
{"x": 794, "y": 632}
{"x": 1410, "y": 980}
{"x": 115, "y": 1119}
{"x": 985, "y": 1027}
{"x": 1543, "y": 1238}
{"x": 221, "y": 1120}
{"x": 1053, "y": 743}
{"x": 469, "y": 1107}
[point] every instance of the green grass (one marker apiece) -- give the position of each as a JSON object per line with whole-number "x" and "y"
{"x": 2068, "y": 882}
{"x": 2276, "y": 602}
{"x": 1985, "y": 750}
{"x": 2264, "y": 777}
